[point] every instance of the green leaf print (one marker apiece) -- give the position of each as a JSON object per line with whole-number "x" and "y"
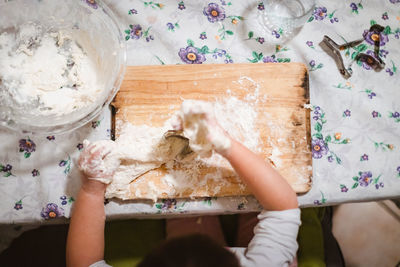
{"x": 310, "y": 19}
{"x": 318, "y": 127}
{"x": 355, "y": 178}
{"x": 387, "y": 30}
{"x": 283, "y": 60}
{"x": 229, "y": 32}
{"x": 355, "y": 185}
{"x": 204, "y": 50}
{"x": 318, "y": 136}
{"x": 372, "y": 22}
{"x": 250, "y": 35}
{"x": 190, "y": 42}
{"x": 328, "y": 138}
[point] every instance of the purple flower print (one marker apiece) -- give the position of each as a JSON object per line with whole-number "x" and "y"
{"x": 7, "y": 168}
{"x": 385, "y": 16}
{"x": 261, "y": 6}
{"x": 203, "y": 36}
{"x": 366, "y": 63}
{"x": 353, "y": 7}
{"x": 181, "y": 5}
{"x": 214, "y": 12}
{"x": 277, "y": 35}
{"x": 372, "y": 36}
{"x": 79, "y": 146}
{"x": 27, "y": 145}
{"x": 92, "y": 3}
{"x": 132, "y": 12}
{"x": 190, "y": 55}
{"x": 398, "y": 169}
{"x": 62, "y": 163}
{"x": 309, "y": 43}
{"x": 395, "y": 114}
{"x": 51, "y": 137}
{"x": 371, "y": 95}
{"x": 365, "y": 179}
{"x": 269, "y": 59}
{"x": 347, "y": 113}
{"x": 383, "y": 53}
{"x": 330, "y": 158}
{"x": 375, "y": 114}
{"x": 317, "y": 202}
{"x": 364, "y": 157}
{"x": 312, "y": 63}
{"x": 135, "y": 32}
{"x": 52, "y": 211}
{"x": 333, "y": 20}
{"x": 343, "y": 189}
{"x": 261, "y": 40}
{"x": 168, "y": 204}
{"x": 149, "y": 38}
{"x": 18, "y": 205}
{"x": 388, "y": 70}
{"x": 320, "y": 13}
{"x": 170, "y": 26}
{"x": 319, "y": 148}
{"x": 95, "y": 124}
{"x": 379, "y": 185}
{"x": 35, "y": 172}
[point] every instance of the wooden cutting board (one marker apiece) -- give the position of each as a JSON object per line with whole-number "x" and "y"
{"x": 151, "y": 94}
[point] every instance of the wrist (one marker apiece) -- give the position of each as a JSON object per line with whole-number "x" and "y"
{"x": 228, "y": 151}
{"x": 94, "y": 187}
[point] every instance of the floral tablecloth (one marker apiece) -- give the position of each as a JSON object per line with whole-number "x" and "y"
{"x": 355, "y": 122}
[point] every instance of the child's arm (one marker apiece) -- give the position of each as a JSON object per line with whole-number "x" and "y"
{"x": 85, "y": 242}
{"x": 268, "y": 186}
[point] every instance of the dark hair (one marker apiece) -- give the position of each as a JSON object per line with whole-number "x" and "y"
{"x": 190, "y": 251}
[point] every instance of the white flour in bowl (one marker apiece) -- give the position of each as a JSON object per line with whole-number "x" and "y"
{"x": 45, "y": 72}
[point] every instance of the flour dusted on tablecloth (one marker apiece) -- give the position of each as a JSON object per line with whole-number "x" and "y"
{"x": 45, "y": 72}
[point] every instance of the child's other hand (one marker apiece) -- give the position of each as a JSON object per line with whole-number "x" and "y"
{"x": 217, "y": 136}
{"x": 98, "y": 171}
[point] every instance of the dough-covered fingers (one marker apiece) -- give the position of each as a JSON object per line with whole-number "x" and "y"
{"x": 93, "y": 161}
{"x": 217, "y": 136}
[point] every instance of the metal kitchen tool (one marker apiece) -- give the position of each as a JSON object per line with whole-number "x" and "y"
{"x": 183, "y": 149}
{"x": 333, "y": 49}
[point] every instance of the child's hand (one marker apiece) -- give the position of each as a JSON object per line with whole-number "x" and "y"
{"x": 98, "y": 172}
{"x": 198, "y": 123}
{"x": 217, "y": 136}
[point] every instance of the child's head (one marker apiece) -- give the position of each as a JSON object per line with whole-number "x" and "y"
{"x": 190, "y": 251}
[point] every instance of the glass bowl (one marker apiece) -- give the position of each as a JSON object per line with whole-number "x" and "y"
{"x": 95, "y": 29}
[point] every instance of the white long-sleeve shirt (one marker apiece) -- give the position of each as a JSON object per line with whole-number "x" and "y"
{"x": 274, "y": 242}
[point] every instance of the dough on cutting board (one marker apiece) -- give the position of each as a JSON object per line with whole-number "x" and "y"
{"x": 141, "y": 148}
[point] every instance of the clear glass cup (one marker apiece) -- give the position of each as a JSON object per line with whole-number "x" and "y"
{"x": 283, "y": 19}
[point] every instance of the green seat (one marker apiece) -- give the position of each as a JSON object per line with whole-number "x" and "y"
{"x": 128, "y": 241}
